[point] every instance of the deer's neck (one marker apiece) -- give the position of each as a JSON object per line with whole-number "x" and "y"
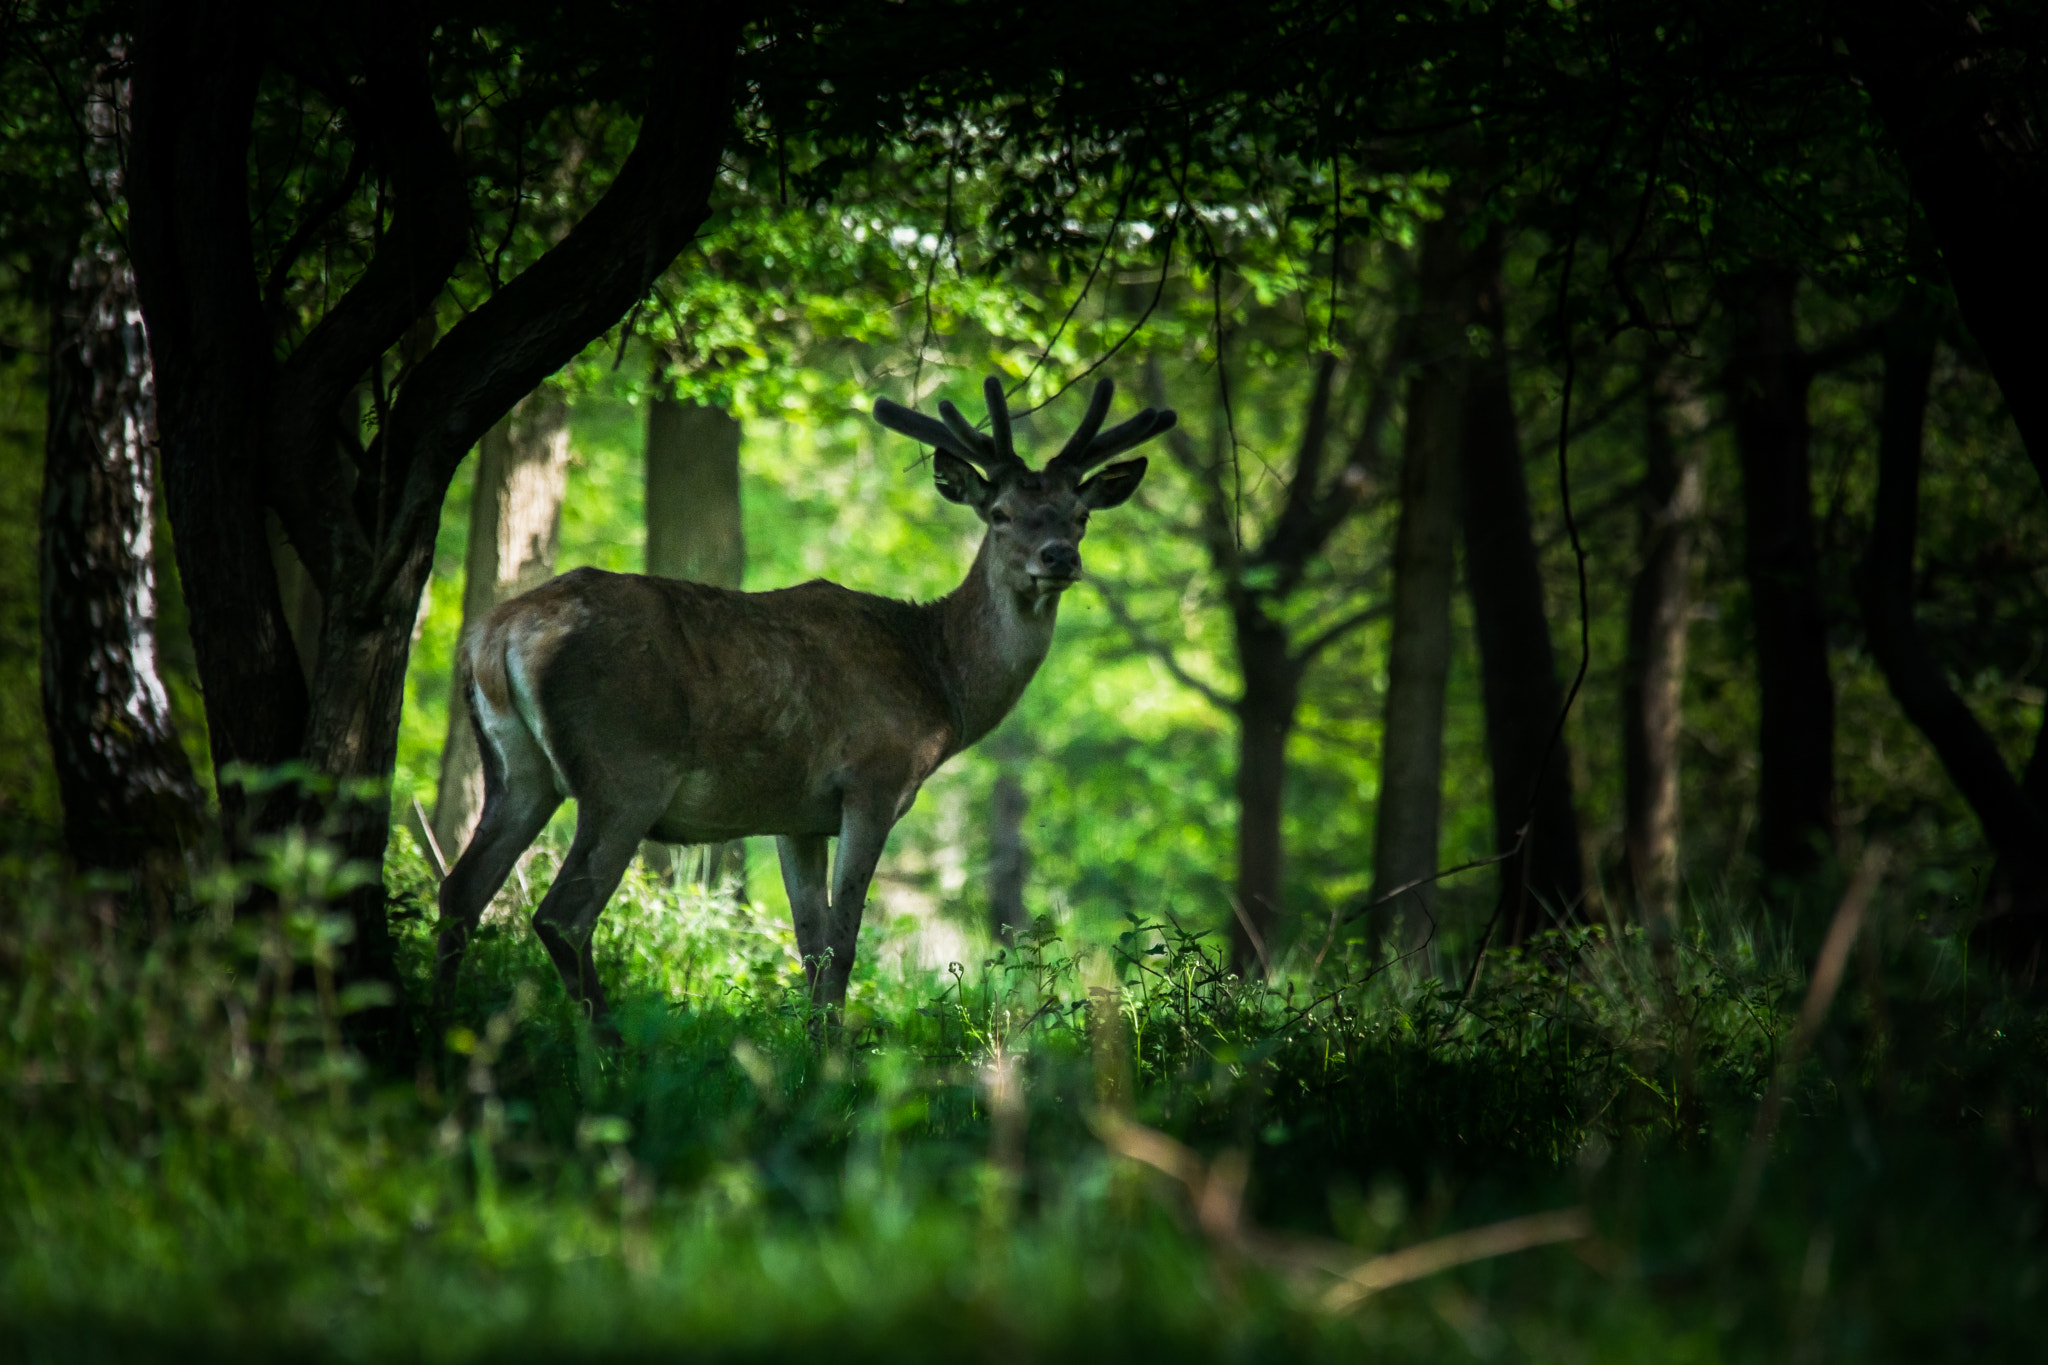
{"x": 995, "y": 640}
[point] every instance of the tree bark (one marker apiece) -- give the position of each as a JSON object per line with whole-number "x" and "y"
{"x": 2012, "y": 818}
{"x": 1977, "y": 170}
{"x": 1265, "y": 717}
{"x": 1767, "y": 382}
{"x": 515, "y": 521}
{"x": 1518, "y": 667}
{"x": 1425, "y": 543}
{"x": 1009, "y": 857}
{"x": 694, "y": 531}
{"x": 131, "y": 804}
{"x": 197, "y": 70}
{"x": 1653, "y": 686}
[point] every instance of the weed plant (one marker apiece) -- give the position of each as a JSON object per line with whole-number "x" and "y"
{"x": 192, "y": 1162}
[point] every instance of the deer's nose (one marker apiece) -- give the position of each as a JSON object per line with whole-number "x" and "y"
{"x": 1058, "y": 559}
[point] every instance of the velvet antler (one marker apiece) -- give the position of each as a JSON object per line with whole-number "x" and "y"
{"x": 995, "y": 450}
{"x": 1086, "y": 449}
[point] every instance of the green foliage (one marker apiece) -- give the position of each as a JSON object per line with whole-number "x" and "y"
{"x": 195, "y": 1163}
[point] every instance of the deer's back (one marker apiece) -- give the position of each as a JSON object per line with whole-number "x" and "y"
{"x": 761, "y": 710}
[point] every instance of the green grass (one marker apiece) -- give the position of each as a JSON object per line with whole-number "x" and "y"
{"x": 193, "y": 1164}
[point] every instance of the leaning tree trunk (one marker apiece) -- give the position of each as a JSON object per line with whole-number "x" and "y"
{"x": 694, "y": 531}
{"x": 515, "y": 519}
{"x": 1265, "y": 718}
{"x": 1653, "y": 681}
{"x": 1963, "y": 123}
{"x": 1532, "y": 783}
{"x": 1767, "y": 383}
{"x": 1425, "y": 544}
{"x": 131, "y": 804}
{"x": 2012, "y": 818}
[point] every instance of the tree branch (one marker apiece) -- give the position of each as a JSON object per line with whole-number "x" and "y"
{"x": 1159, "y": 649}
{"x": 539, "y": 321}
{"x": 396, "y": 125}
{"x": 1316, "y": 644}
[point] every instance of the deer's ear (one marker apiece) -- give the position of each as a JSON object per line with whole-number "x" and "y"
{"x": 958, "y": 482}
{"x": 1113, "y": 486}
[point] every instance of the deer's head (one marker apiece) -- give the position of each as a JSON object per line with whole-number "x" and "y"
{"x": 1035, "y": 518}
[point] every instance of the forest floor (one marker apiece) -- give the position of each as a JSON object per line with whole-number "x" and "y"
{"x": 1059, "y": 1150}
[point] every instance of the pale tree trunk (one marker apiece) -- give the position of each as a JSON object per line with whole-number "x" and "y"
{"x": 1425, "y": 544}
{"x": 1009, "y": 854}
{"x": 1653, "y": 686}
{"x": 694, "y": 532}
{"x": 1532, "y": 781}
{"x": 515, "y": 518}
{"x": 131, "y": 804}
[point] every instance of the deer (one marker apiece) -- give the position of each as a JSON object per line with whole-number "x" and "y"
{"x": 684, "y": 713}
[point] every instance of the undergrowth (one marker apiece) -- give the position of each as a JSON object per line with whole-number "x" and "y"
{"x": 194, "y": 1162}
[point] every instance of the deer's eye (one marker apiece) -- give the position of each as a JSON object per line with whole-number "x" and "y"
{"x": 1082, "y": 516}
{"x": 999, "y": 517}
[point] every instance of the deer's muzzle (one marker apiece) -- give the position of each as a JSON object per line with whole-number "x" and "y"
{"x": 1056, "y": 564}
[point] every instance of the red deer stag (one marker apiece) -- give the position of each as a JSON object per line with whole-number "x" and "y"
{"x": 691, "y": 714}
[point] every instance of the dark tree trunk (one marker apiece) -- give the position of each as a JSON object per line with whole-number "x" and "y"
{"x": 515, "y": 520}
{"x": 1425, "y": 548}
{"x": 1265, "y": 718}
{"x": 195, "y": 89}
{"x": 1767, "y": 382}
{"x": 131, "y": 804}
{"x": 1653, "y": 686}
{"x": 1518, "y": 667}
{"x": 694, "y": 531}
{"x": 2011, "y": 817}
{"x": 1975, "y": 162}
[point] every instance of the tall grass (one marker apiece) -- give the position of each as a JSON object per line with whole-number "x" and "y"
{"x": 192, "y": 1161}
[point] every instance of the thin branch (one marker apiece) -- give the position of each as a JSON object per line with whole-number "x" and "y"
{"x": 1159, "y": 650}
{"x": 1317, "y": 644}
{"x": 316, "y": 218}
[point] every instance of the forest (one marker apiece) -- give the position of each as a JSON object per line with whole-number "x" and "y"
{"x": 1528, "y": 840}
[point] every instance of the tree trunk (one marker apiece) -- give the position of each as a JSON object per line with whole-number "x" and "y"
{"x": 1425, "y": 543}
{"x": 131, "y": 804}
{"x": 210, "y": 350}
{"x": 1963, "y": 124}
{"x": 1518, "y": 667}
{"x": 1009, "y": 857}
{"x": 694, "y": 531}
{"x": 515, "y": 519}
{"x": 1653, "y": 683}
{"x": 2012, "y": 819}
{"x": 1767, "y": 384}
{"x": 1265, "y": 718}
{"x": 693, "y": 494}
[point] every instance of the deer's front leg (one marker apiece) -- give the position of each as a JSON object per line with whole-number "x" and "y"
{"x": 805, "y": 868}
{"x": 862, "y": 833}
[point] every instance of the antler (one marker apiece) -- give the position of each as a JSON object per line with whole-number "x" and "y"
{"x": 995, "y": 450}
{"x": 1086, "y": 449}
{"x": 956, "y": 435}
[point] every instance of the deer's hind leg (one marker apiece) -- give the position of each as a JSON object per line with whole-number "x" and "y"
{"x": 608, "y": 835}
{"x": 806, "y": 871}
{"x": 519, "y": 798}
